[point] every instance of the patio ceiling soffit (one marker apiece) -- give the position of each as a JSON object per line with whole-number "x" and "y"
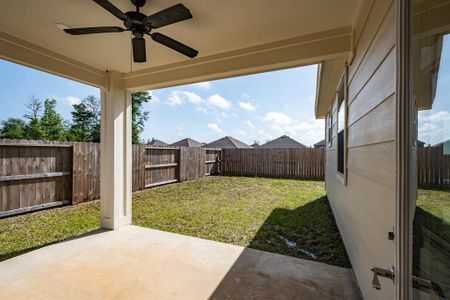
{"x": 293, "y": 52}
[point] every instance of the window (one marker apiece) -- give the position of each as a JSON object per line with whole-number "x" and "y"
{"x": 341, "y": 128}
{"x": 329, "y": 132}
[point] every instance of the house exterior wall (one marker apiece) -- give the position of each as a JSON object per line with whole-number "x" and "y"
{"x": 364, "y": 202}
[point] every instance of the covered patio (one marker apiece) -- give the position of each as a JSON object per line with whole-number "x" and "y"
{"x": 140, "y": 263}
{"x": 233, "y": 38}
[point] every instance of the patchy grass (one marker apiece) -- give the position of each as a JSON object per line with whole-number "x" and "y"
{"x": 433, "y": 211}
{"x": 435, "y": 202}
{"x": 260, "y": 213}
{"x": 31, "y": 231}
{"x": 247, "y": 211}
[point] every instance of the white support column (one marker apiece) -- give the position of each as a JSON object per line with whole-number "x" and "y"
{"x": 116, "y": 159}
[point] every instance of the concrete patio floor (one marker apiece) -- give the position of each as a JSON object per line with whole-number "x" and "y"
{"x": 140, "y": 263}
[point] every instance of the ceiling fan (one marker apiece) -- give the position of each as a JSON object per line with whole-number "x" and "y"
{"x": 140, "y": 24}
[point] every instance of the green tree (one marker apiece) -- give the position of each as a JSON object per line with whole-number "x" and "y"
{"x": 52, "y": 122}
{"x": 34, "y": 129}
{"x": 93, "y": 104}
{"x": 139, "y": 117}
{"x": 13, "y": 128}
{"x": 81, "y": 123}
{"x": 85, "y": 125}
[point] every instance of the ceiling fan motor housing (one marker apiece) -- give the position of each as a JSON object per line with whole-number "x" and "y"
{"x": 138, "y": 3}
{"x": 135, "y": 23}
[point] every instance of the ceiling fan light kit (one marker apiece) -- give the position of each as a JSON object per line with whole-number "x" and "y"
{"x": 140, "y": 25}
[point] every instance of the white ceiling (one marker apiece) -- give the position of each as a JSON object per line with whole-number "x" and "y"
{"x": 217, "y": 26}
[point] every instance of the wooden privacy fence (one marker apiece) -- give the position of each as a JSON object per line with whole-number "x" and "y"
{"x": 433, "y": 168}
{"x": 154, "y": 166}
{"x": 36, "y": 175}
{"x": 290, "y": 163}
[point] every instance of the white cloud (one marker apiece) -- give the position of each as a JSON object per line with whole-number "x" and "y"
{"x": 307, "y": 132}
{"x": 247, "y": 106}
{"x": 154, "y": 99}
{"x": 250, "y": 124}
{"x": 215, "y": 127}
{"x": 242, "y": 132}
{"x": 278, "y": 119}
{"x": 204, "y": 85}
{"x": 224, "y": 115}
{"x": 219, "y": 101}
{"x": 439, "y": 116}
{"x": 178, "y": 98}
{"x": 72, "y": 100}
{"x": 201, "y": 110}
{"x": 433, "y": 126}
{"x": 193, "y": 97}
{"x": 174, "y": 99}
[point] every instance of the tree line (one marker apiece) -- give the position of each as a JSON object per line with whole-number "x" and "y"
{"x": 42, "y": 122}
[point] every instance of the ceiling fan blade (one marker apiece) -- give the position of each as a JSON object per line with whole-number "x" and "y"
{"x": 90, "y": 30}
{"x": 139, "y": 52}
{"x": 173, "y": 44}
{"x": 111, "y": 8}
{"x": 169, "y": 16}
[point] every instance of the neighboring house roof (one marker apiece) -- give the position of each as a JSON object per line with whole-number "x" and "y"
{"x": 255, "y": 145}
{"x": 420, "y": 143}
{"x": 157, "y": 143}
{"x": 440, "y": 144}
{"x": 187, "y": 142}
{"x": 227, "y": 142}
{"x": 320, "y": 144}
{"x": 283, "y": 142}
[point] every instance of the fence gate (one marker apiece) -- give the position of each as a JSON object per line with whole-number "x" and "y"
{"x": 34, "y": 176}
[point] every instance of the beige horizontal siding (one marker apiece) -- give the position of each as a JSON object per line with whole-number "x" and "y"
{"x": 364, "y": 208}
{"x": 377, "y": 126}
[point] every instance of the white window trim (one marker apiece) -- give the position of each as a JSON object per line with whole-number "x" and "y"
{"x": 342, "y": 177}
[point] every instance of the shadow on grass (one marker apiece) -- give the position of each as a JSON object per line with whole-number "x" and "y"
{"x": 12, "y": 254}
{"x": 307, "y": 232}
{"x": 431, "y": 249}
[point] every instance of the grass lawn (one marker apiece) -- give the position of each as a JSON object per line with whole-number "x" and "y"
{"x": 262, "y": 213}
{"x": 290, "y": 217}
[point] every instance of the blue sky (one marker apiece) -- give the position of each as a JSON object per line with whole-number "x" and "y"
{"x": 434, "y": 124}
{"x": 257, "y": 107}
